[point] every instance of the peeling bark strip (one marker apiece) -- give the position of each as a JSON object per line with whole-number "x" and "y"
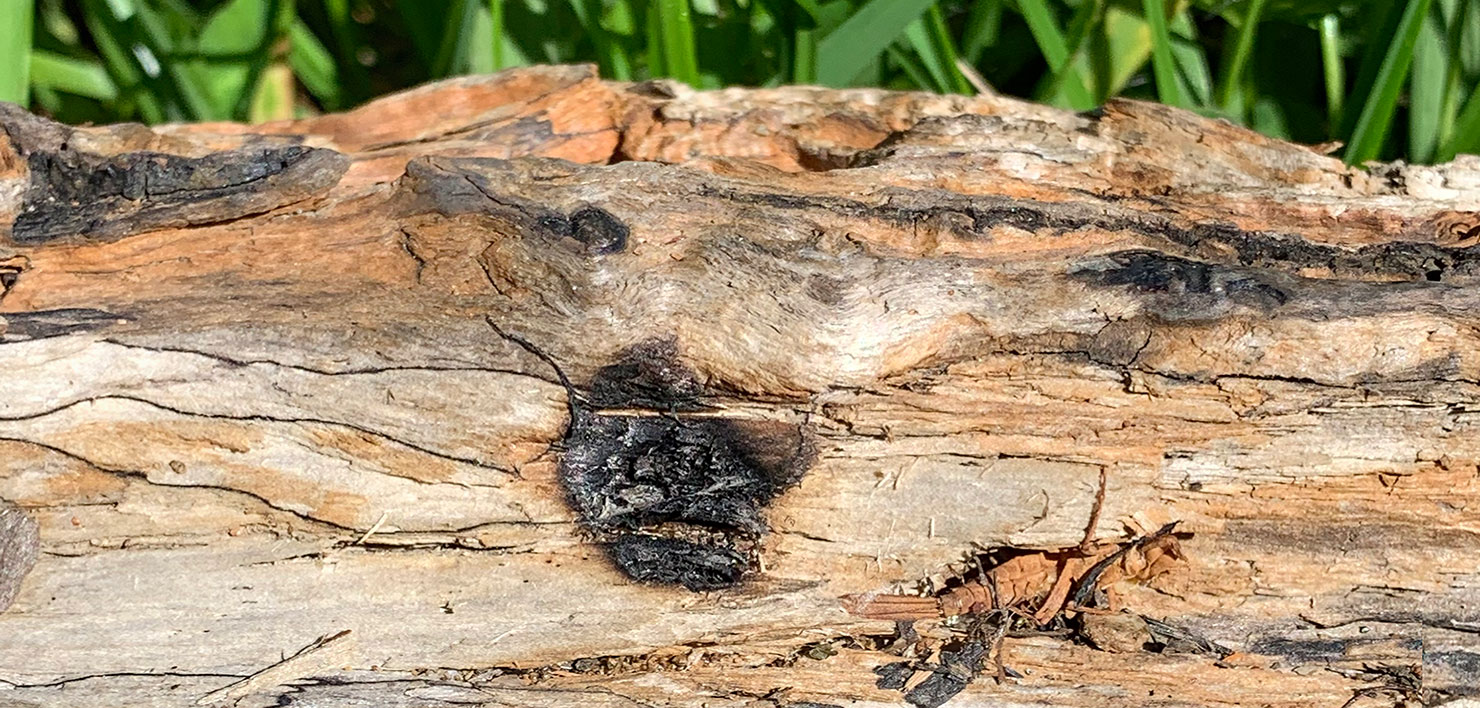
{"x": 808, "y": 344}
{"x": 19, "y": 546}
{"x": 72, "y": 192}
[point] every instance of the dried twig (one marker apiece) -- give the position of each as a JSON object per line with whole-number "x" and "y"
{"x": 371, "y": 531}
{"x": 326, "y": 652}
{"x": 1087, "y": 543}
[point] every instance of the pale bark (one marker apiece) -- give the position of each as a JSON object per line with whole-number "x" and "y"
{"x": 255, "y": 393}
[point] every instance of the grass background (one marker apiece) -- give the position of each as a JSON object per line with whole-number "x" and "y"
{"x": 1396, "y": 79}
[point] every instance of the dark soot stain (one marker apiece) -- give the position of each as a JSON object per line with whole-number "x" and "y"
{"x": 675, "y": 498}
{"x": 598, "y": 231}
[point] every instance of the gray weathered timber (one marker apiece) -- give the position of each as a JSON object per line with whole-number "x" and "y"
{"x": 313, "y": 383}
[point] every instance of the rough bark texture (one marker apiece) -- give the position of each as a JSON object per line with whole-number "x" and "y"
{"x": 263, "y": 384}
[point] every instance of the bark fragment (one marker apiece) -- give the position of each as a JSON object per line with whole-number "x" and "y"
{"x": 253, "y": 367}
{"x": 19, "y": 547}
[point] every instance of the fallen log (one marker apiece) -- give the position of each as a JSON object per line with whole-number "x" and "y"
{"x": 557, "y": 391}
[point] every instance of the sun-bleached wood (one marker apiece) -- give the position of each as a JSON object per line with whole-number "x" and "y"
{"x": 254, "y": 396}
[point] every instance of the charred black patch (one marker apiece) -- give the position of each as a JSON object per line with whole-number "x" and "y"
{"x": 1192, "y": 286}
{"x": 827, "y": 290}
{"x": 1154, "y": 272}
{"x": 601, "y": 232}
{"x": 41, "y": 324}
{"x": 676, "y": 496}
{"x": 71, "y": 192}
{"x": 594, "y": 228}
{"x": 1301, "y": 651}
{"x": 1411, "y": 260}
{"x": 598, "y": 231}
{"x": 958, "y": 666}
{"x": 956, "y": 670}
{"x": 696, "y": 566}
{"x": 1463, "y": 666}
{"x": 647, "y": 375}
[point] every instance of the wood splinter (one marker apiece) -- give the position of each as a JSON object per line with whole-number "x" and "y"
{"x": 1041, "y": 580}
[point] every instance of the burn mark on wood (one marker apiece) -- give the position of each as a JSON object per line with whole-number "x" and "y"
{"x": 1411, "y": 260}
{"x": 449, "y": 187}
{"x": 598, "y": 230}
{"x": 960, "y": 663}
{"x": 1187, "y": 288}
{"x": 675, "y": 496}
{"x": 20, "y": 544}
{"x": 1301, "y": 651}
{"x": 956, "y": 670}
{"x": 42, "y": 324}
{"x": 647, "y": 375}
{"x": 696, "y": 566}
{"x": 72, "y": 192}
{"x": 594, "y": 228}
{"x": 827, "y": 290}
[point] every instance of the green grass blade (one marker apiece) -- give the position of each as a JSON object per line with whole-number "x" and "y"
{"x": 794, "y": 22}
{"x": 484, "y": 37}
{"x": 1455, "y": 15}
{"x": 136, "y": 67}
{"x": 1332, "y": 69}
{"x": 618, "y": 18}
{"x": 609, "y": 55}
{"x": 813, "y": 10}
{"x": 804, "y": 56}
{"x": 15, "y": 50}
{"x": 1427, "y": 82}
{"x": 354, "y": 80}
{"x": 946, "y": 47}
{"x": 450, "y": 56}
{"x": 657, "y": 64}
{"x": 1377, "y": 112}
{"x": 189, "y": 92}
{"x": 314, "y": 66}
{"x": 273, "y": 94}
{"x": 911, "y": 67}
{"x": 857, "y": 42}
{"x": 121, "y": 64}
{"x": 1088, "y": 17}
{"x": 1163, "y": 64}
{"x": 1085, "y": 19}
{"x": 426, "y": 23}
{"x": 79, "y": 77}
{"x": 983, "y": 27}
{"x": 1466, "y": 135}
{"x": 1118, "y": 50}
{"x": 1192, "y": 63}
{"x": 489, "y": 42}
{"x": 1243, "y": 46}
{"x": 231, "y": 52}
{"x": 1382, "y": 21}
{"x": 1467, "y": 24}
{"x": 496, "y": 32}
{"x": 676, "y": 33}
{"x": 1050, "y": 41}
{"x": 56, "y": 22}
{"x": 931, "y": 41}
{"x": 927, "y": 57}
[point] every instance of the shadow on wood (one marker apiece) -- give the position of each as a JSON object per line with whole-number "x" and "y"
{"x": 265, "y": 384}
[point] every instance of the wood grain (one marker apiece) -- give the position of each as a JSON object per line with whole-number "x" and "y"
{"x": 219, "y": 380}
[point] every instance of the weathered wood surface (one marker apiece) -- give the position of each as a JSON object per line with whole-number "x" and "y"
{"x": 253, "y": 393}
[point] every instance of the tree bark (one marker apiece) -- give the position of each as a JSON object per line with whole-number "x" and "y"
{"x": 366, "y": 371}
